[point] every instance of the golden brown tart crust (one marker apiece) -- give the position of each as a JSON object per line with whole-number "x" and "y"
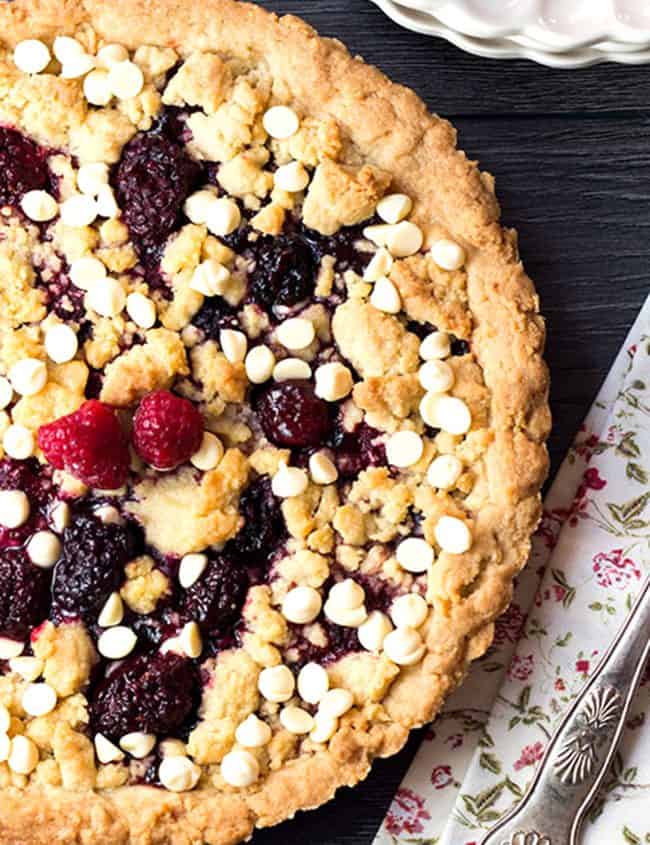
{"x": 388, "y": 127}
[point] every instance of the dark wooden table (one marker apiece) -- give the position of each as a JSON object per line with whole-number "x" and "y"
{"x": 571, "y": 154}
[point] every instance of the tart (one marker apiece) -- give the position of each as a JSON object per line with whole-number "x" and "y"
{"x": 274, "y": 413}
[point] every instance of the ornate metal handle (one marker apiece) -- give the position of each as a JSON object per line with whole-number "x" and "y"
{"x": 580, "y": 751}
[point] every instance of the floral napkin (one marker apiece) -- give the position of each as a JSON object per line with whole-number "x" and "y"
{"x": 590, "y": 556}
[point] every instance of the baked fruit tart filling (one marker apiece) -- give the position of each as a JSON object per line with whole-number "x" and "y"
{"x": 272, "y": 427}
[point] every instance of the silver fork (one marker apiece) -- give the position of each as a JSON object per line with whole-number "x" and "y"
{"x": 580, "y": 751}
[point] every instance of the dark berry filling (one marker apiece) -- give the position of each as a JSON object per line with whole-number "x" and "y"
{"x": 292, "y": 415}
{"x": 23, "y": 167}
{"x": 264, "y": 529}
{"x": 357, "y": 450}
{"x": 152, "y": 180}
{"x": 153, "y": 693}
{"x": 24, "y": 594}
{"x": 285, "y": 271}
{"x": 91, "y": 566}
{"x": 216, "y": 599}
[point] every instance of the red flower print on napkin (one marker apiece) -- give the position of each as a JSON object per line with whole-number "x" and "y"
{"x": 530, "y": 754}
{"x": 614, "y": 571}
{"x": 521, "y": 668}
{"x": 441, "y": 777}
{"x": 508, "y": 627}
{"x": 406, "y": 813}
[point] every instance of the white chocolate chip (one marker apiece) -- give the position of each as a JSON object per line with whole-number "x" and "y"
{"x": 210, "y": 278}
{"x": 66, "y": 48}
{"x": 92, "y": 177}
{"x": 111, "y": 54}
{"x": 233, "y": 345}
{"x": 38, "y": 699}
{"x": 107, "y": 298}
{"x": 414, "y": 554}
{"x": 378, "y": 234}
{"x": 31, "y": 56}
{"x": 97, "y": 89}
{"x": 61, "y": 343}
{"x": 191, "y": 641}
{"x": 23, "y": 757}
{"x": 191, "y": 568}
{"x": 429, "y": 408}
{"x": 291, "y": 369}
{"x": 444, "y": 472}
{"x": 138, "y": 744}
{"x": 105, "y": 750}
{"x": 404, "y": 646}
{"x": 404, "y": 239}
{"x": 44, "y": 549}
{"x": 302, "y": 605}
{"x": 335, "y": 703}
{"x": 28, "y": 376}
{"x": 385, "y": 296}
{"x": 125, "y": 80}
{"x": 291, "y": 177}
{"x": 78, "y": 210}
{"x": 209, "y": 453}
{"x": 435, "y": 346}
{"x": 39, "y": 206}
{"x": 448, "y": 255}
{"x": 197, "y": 206}
{"x": 296, "y": 720}
{"x": 436, "y": 376}
{"x": 29, "y": 668}
{"x": 77, "y": 66}
{"x": 10, "y": 648}
{"x": 280, "y": 122}
{"x": 259, "y": 364}
{"x": 313, "y": 683}
{"x": 112, "y": 613}
{"x": 87, "y": 271}
{"x": 333, "y": 381}
{"x": 322, "y": 469}
{"x": 240, "y": 768}
{"x": 178, "y": 774}
{"x": 109, "y": 515}
{"x": 409, "y": 610}
{"x": 60, "y": 517}
{"x": 253, "y": 732}
{"x": 404, "y": 448}
{"x": 394, "y": 208}
{"x": 452, "y": 535}
{"x": 6, "y": 392}
{"x": 380, "y": 265}
{"x": 106, "y": 203}
{"x": 141, "y": 310}
{"x": 18, "y": 442}
{"x": 115, "y": 643}
{"x": 14, "y": 508}
{"x": 296, "y": 333}
{"x": 374, "y": 631}
{"x": 453, "y": 415}
{"x": 289, "y": 481}
{"x": 345, "y": 604}
{"x": 276, "y": 683}
{"x": 223, "y": 217}
{"x": 324, "y": 728}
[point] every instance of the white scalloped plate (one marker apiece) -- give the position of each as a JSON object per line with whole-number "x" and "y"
{"x": 560, "y": 24}
{"x": 516, "y": 47}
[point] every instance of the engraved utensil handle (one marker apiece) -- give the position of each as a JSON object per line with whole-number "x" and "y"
{"x": 579, "y": 753}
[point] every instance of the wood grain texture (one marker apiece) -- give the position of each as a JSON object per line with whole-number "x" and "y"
{"x": 570, "y": 153}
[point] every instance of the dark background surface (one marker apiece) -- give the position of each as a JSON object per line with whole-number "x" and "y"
{"x": 571, "y": 154}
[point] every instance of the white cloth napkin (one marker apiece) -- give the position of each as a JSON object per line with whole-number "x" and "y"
{"x": 590, "y": 556}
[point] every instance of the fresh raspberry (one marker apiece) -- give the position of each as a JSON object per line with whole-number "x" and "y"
{"x": 167, "y": 429}
{"x": 89, "y": 444}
